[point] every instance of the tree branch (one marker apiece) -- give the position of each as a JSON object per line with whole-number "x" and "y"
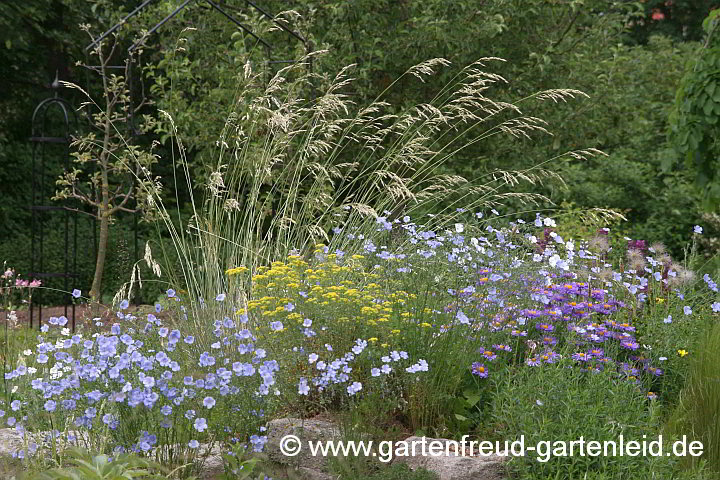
{"x": 567, "y": 29}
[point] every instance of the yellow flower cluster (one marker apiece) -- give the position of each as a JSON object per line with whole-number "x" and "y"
{"x": 329, "y": 292}
{"x": 236, "y": 271}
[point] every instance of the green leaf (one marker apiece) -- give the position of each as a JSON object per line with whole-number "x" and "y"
{"x": 708, "y": 108}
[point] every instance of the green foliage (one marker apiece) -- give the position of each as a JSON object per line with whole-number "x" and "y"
{"x": 557, "y": 403}
{"x": 84, "y": 465}
{"x": 238, "y": 466}
{"x": 694, "y": 120}
{"x": 697, "y": 411}
{"x": 391, "y": 472}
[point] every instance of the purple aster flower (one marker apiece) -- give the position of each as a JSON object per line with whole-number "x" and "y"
{"x": 50, "y": 406}
{"x": 629, "y": 344}
{"x": 124, "y": 304}
{"x": 489, "y": 354}
{"x": 276, "y": 326}
{"x": 220, "y": 297}
{"x": 532, "y": 362}
{"x": 479, "y": 370}
{"x": 581, "y": 357}
{"x": 208, "y": 402}
{"x": 76, "y": 293}
{"x": 193, "y": 444}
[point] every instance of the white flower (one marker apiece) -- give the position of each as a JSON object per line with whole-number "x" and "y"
{"x": 55, "y": 372}
{"x": 459, "y": 228}
{"x": 27, "y": 352}
{"x": 549, "y": 222}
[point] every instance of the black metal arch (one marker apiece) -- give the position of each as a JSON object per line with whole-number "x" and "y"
{"x": 44, "y": 140}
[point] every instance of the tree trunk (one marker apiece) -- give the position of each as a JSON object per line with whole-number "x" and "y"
{"x": 101, "y": 254}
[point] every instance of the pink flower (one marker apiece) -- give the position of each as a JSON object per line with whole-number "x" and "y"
{"x": 657, "y": 14}
{"x": 21, "y": 283}
{"x": 35, "y": 283}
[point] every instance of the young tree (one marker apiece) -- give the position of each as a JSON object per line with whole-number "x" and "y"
{"x": 111, "y": 174}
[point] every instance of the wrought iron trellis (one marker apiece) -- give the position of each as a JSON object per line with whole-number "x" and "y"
{"x": 41, "y": 140}
{"x": 44, "y": 140}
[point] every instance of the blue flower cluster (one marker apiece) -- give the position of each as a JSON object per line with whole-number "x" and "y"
{"x": 90, "y": 384}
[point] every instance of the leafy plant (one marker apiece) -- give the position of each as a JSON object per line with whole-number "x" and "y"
{"x": 237, "y": 464}
{"x": 84, "y": 465}
{"x": 557, "y": 403}
{"x": 694, "y": 120}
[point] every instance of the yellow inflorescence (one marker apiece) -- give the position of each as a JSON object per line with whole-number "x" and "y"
{"x": 236, "y": 270}
{"x": 329, "y": 292}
